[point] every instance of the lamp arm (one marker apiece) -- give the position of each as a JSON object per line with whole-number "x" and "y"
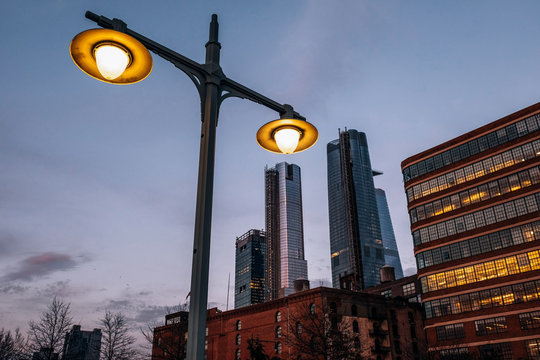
{"x": 234, "y": 89}
{"x": 195, "y": 71}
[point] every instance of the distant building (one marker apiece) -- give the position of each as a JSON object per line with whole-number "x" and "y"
{"x": 82, "y": 345}
{"x": 249, "y": 268}
{"x": 356, "y": 241}
{"x": 407, "y": 288}
{"x": 474, "y": 206}
{"x": 366, "y": 325}
{"x": 45, "y": 354}
{"x": 285, "y": 260}
{"x": 391, "y": 254}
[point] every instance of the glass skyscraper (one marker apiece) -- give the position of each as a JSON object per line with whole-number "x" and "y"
{"x": 391, "y": 254}
{"x": 356, "y": 242}
{"x": 285, "y": 261}
{"x": 249, "y": 269}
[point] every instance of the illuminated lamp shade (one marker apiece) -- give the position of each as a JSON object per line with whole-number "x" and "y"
{"x": 287, "y": 136}
{"x": 111, "y": 56}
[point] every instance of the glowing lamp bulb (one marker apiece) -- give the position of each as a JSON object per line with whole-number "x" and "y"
{"x": 287, "y": 139}
{"x": 111, "y": 60}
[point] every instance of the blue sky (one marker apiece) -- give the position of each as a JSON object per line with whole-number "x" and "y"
{"x": 97, "y": 182}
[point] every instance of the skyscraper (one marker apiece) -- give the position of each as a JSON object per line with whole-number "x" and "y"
{"x": 474, "y": 206}
{"x": 249, "y": 269}
{"x": 285, "y": 261}
{"x": 391, "y": 254}
{"x": 356, "y": 243}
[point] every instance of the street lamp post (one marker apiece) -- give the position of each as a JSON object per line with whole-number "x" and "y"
{"x": 92, "y": 50}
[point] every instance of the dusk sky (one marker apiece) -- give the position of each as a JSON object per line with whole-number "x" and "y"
{"x": 98, "y": 181}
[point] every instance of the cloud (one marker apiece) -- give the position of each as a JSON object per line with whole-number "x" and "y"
{"x": 41, "y": 265}
{"x": 13, "y": 289}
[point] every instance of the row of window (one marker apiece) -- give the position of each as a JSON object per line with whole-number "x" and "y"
{"x": 479, "y": 245}
{"x": 485, "y": 299}
{"x": 477, "y": 219}
{"x": 454, "y": 353}
{"x": 473, "y": 147}
{"x": 476, "y": 194}
{"x": 475, "y": 170}
{"x": 496, "y": 325}
{"x": 502, "y": 267}
{"x": 450, "y": 332}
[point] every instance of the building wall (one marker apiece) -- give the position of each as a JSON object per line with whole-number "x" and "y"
{"x": 355, "y": 232}
{"x": 391, "y": 254}
{"x": 474, "y": 209}
{"x": 249, "y": 269}
{"x": 285, "y": 230}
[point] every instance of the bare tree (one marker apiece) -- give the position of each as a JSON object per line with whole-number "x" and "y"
{"x": 320, "y": 335}
{"x": 117, "y": 343}
{"x": 50, "y": 330}
{"x": 171, "y": 344}
{"x": 13, "y": 346}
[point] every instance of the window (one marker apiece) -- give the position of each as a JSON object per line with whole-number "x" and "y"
{"x": 238, "y": 325}
{"x": 312, "y": 309}
{"x": 278, "y": 332}
{"x": 238, "y": 339}
{"x": 530, "y": 320}
{"x": 500, "y": 351}
{"x": 387, "y": 293}
{"x": 533, "y": 348}
{"x": 355, "y": 326}
{"x": 298, "y": 328}
{"x": 449, "y": 332}
{"x": 238, "y": 354}
{"x": 278, "y": 348}
{"x": 278, "y": 316}
{"x": 409, "y": 289}
{"x": 490, "y": 326}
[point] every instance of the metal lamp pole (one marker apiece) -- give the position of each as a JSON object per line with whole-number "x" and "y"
{"x": 213, "y": 87}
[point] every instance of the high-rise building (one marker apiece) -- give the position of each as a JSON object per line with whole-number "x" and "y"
{"x": 285, "y": 260}
{"x": 82, "y": 345}
{"x": 249, "y": 268}
{"x": 356, "y": 243}
{"x": 474, "y": 209}
{"x": 391, "y": 254}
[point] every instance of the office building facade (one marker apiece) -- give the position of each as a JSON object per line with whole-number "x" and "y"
{"x": 391, "y": 254}
{"x": 356, "y": 243}
{"x": 285, "y": 260}
{"x": 474, "y": 210}
{"x": 249, "y": 268}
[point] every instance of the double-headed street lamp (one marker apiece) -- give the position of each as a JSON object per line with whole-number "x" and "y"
{"x": 118, "y": 55}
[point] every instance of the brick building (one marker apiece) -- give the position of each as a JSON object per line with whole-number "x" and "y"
{"x": 474, "y": 210}
{"x": 366, "y": 326}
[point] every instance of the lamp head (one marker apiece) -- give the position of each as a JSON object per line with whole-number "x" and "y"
{"x": 287, "y": 136}
{"x": 111, "y": 56}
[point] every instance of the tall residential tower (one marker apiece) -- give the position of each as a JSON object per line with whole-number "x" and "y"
{"x": 285, "y": 261}
{"x": 356, "y": 242}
